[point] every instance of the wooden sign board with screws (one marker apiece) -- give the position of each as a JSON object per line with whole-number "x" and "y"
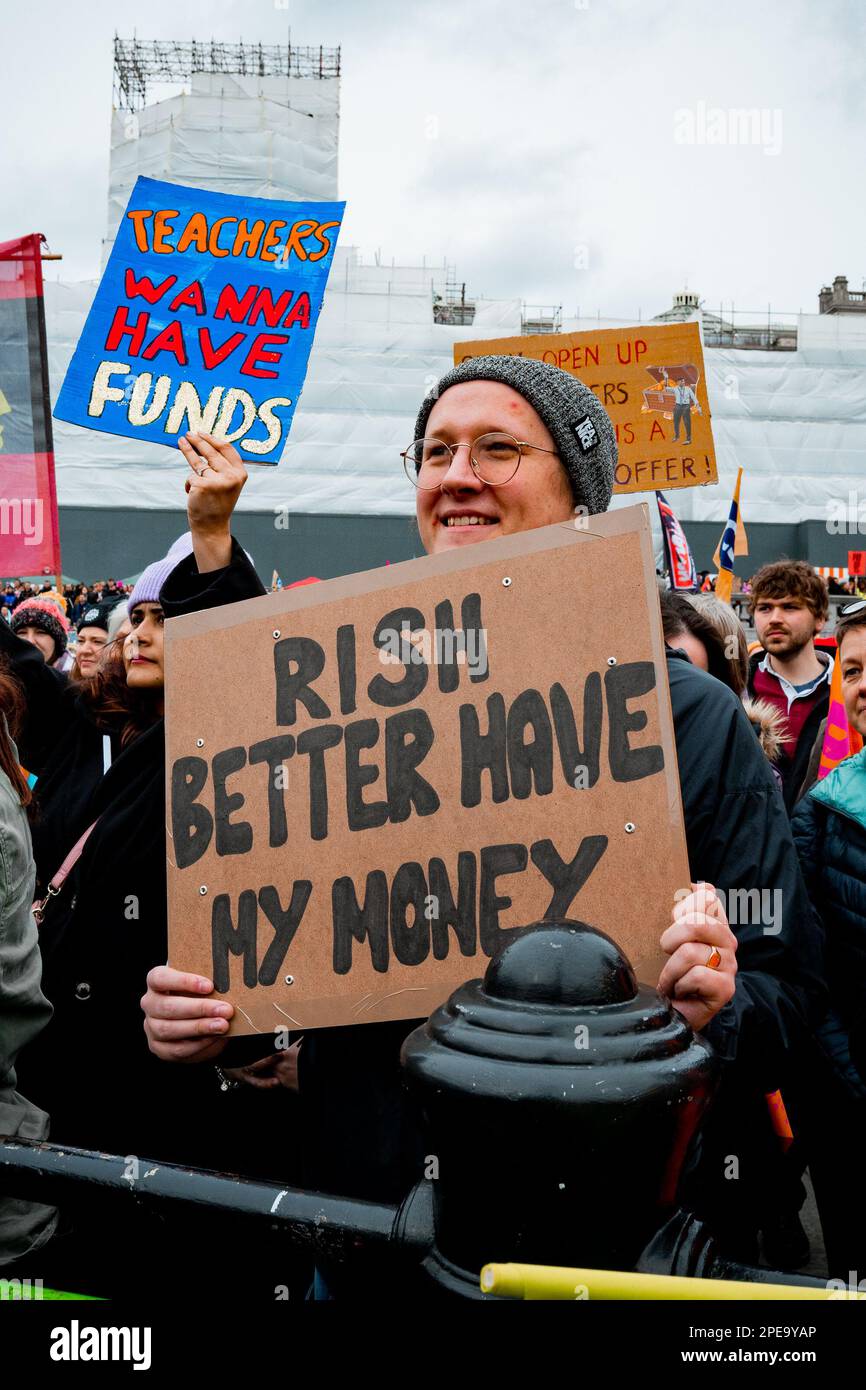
{"x": 651, "y": 381}
{"x": 372, "y": 781}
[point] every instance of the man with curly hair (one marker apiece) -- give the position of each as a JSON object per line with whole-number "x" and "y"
{"x": 789, "y": 606}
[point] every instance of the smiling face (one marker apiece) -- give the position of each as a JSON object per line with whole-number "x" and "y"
{"x": 852, "y": 657}
{"x": 142, "y": 650}
{"x": 538, "y": 494}
{"x": 91, "y": 641}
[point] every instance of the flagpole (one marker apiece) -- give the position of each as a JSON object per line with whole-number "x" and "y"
{"x": 725, "y": 577}
{"x": 666, "y": 558}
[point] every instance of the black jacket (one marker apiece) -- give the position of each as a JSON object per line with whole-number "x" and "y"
{"x": 62, "y": 745}
{"x": 739, "y": 838}
{"x": 793, "y": 768}
{"x": 364, "y": 1138}
{"x": 829, "y": 828}
{"x": 91, "y": 1068}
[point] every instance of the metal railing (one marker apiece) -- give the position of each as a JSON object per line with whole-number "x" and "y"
{"x": 335, "y": 1230}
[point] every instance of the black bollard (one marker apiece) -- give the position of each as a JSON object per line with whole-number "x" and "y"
{"x": 560, "y": 1099}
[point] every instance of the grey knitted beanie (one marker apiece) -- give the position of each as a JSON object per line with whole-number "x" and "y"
{"x": 580, "y": 425}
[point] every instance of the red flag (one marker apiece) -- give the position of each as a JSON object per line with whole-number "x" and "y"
{"x": 29, "y": 531}
{"x": 681, "y": 566}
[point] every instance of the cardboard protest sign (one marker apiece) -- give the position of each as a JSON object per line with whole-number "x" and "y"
{"x": 856, "y": 563}
{"x": 651, "y": 381}
{"x": 373, "y": 780}
{"x": 204, "y": 319}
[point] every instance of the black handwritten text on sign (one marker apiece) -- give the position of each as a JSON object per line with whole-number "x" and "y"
{"x": 389, "y": 798}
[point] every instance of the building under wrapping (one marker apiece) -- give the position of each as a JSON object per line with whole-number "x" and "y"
{"x": 265, "y": 122}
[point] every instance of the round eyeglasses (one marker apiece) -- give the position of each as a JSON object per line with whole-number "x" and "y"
{"x": 494, "y": 457}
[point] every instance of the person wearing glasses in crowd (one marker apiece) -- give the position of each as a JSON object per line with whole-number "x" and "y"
{"x": 503, "y": 445}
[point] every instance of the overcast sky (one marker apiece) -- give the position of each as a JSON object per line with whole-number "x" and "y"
{"x": 553, "y": 150}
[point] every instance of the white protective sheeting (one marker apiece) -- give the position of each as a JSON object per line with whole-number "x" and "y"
{"x": 822, "y": 332}
{"x": 267, "y": 137}
{"x": 795, "y": 421}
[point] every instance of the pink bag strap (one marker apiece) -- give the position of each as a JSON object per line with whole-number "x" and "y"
{"x": 60, "y": 877}
{"x": 71, "y": 860}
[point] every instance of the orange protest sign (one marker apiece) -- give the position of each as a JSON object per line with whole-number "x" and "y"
{"x": 652, "y": 382}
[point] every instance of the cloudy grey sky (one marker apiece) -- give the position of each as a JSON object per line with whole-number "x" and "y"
{"x": 555, "y": 150}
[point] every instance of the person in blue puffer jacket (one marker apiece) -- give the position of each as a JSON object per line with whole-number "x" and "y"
{"x": 829, "y": 827}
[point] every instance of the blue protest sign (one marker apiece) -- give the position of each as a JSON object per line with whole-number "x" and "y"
{"x": 204, "y": 319}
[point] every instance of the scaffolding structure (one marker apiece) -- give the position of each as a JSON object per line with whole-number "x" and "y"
{"x": 139, "y": 61}
{"x": 453, "y": 307}
{"x": 541, "y": 318}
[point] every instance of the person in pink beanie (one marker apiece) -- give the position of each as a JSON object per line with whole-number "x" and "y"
{"x": 40, "y": 622}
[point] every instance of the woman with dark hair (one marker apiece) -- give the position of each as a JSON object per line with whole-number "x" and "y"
{"x": 98, "y": 749}
{"x": 712, "y": 637}
{"x": 722, "y": 617}
{"x": 105, "y": 925}
{"x": 11, "y": 716}
{"x": 689, "y": 631}
{"x": 24, "y": 1010}
{"x": 70, "y": 735}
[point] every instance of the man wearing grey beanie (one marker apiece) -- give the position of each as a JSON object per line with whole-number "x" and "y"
{"x": 505, "y": 444}
{"x": 473, "y": 484}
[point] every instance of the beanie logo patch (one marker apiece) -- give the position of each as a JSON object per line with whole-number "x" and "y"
{"x": 91, "y": 614}
{"x": 586, "y": 434}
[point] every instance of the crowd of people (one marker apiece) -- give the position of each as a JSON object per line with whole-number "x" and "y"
{"x": 853, "y": 587}
{"x": 71, "y": 627}
{"x": 106, "y": 1046}
{"x": 72, "y": 598}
